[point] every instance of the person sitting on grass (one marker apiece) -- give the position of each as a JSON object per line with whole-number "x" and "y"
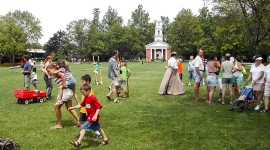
{"x": 86, "y": 79}
{"x": 93, "y": 107}
{"x": 66, "y": 95}
{"x": 124, "y": 77}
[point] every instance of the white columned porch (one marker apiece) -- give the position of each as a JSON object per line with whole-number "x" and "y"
{"x": 155, "y": 53}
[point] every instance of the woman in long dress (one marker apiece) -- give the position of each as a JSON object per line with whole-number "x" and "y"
{"x": 171, "y": 83}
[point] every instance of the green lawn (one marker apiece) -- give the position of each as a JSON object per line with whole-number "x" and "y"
{"x": 146, "y": 120}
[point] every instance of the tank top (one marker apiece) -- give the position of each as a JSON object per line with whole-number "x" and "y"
{"x": 211, "y": 68}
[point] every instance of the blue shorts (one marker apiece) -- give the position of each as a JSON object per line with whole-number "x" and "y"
{"x": 71, "y": 83}
{"x": 190, "y": 74}
{"x": 211, "y": 81}
{"x": 83, "y": 117}
{"x": 90, "y": 126}
{"x": 197, "y": 78}
{"x": 227, "y": 80}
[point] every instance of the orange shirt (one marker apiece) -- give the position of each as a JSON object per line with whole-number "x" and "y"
{"x": 180, "y": 68}
{"x": 83, "y": 109}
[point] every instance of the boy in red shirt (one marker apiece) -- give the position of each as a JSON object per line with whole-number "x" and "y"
{"x": 93, "y": 107}
{"x": 180, "y": 69}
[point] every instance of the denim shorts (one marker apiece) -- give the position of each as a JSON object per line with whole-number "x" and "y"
{"x": 190, "y": 74}
{"x": 71, "y": 83}
{"x": 197, "y": 78}
{"x": 211, "y": 81}
{"x": 227, "y": 80}
{"x": 91, "y": 126}
{"x": 83, "y": 117}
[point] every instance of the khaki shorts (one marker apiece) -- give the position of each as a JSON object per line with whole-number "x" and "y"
{"x": 115, "y": 82}
{"x": 27, "y": 80}
{"x": 257, "y": 87}
{"x": 267, "y": 89}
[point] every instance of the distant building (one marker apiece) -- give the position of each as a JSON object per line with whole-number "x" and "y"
{"x": 36, "y": 54}
{"x": 158, "y": 49}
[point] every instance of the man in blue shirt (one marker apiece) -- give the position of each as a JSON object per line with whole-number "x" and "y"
{"x": 27, "y": 67}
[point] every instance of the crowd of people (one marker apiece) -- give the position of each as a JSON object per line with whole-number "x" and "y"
{"x": 88, "y": 119}
{"x": 226, "y": 73}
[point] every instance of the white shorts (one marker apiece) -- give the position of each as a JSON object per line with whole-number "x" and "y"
{"x": 67, "y": 95}
{"x": 115, "y": 82}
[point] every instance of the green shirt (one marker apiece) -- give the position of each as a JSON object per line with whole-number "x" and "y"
{"x": 124, "y": 71}
{"x": 97, "y": 65}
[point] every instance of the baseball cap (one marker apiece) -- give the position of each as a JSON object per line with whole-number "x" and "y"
{"x": 228, "y": 55}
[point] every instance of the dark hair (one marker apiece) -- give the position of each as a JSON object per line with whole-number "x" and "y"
{"x": 114, "y": 52}
{"x": 86, "y": 78}
{"x": 62, "y": 64}
{"x": 172, "y": 55}
{"x": 34, "y": 69}
{"x": 85, "y": 87}
{"x": 26, "y": 57}
{"x": 212, "y": 57}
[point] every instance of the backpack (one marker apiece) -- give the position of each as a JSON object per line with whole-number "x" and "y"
{"x": 244, "y": 70}
{"x": 6, "y": 144}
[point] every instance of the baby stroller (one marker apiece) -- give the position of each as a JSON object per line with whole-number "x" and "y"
{"x": 245, "y": 97}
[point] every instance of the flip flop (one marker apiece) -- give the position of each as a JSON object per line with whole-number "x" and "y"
{"x": 108, "y": 97}
{"x": 56, "y": 127}
{"x": 75, "y": 143}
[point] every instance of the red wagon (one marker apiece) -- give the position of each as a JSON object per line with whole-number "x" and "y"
{"x": 24, "y": 96}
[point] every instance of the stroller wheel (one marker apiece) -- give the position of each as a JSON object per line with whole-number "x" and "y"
{"x": 231, "y": 109}
{"x": 240, "y": 110}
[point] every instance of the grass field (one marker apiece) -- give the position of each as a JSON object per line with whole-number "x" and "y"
{"x": 146, "y": 120}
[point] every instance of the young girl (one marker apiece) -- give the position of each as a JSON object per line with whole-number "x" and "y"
{"x": 70, "y": 81}
{"x": 66, "y": 95}
{"x": 34, "y": 78}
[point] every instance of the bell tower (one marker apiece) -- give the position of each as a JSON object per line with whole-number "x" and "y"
{"x": 158, "y": 31}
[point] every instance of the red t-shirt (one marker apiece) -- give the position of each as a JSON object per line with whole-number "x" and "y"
{"x": 91, "y": 104}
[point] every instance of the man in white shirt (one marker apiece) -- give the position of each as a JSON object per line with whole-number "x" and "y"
{"x": 267, "y": 86}
{"x": 190, "y": 69}
{"x": 198, "y": 72}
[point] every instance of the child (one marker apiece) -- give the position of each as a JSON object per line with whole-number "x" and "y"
{"x": 180, "y": 69}
{"x": 93, "y": 108}
{"x": 124, "y": 77}
{"x": 70, "y": 81}
{"x": 34, "y": 78}
{"x": 97, "y": 66}
{"x": 86, "y": 79}
{"x": 67, "y": 94}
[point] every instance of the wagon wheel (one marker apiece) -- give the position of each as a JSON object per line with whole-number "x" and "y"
{"x": 41, "y": 100}
{"x": 34, "y": 100}
{"x": 26, "y": 102}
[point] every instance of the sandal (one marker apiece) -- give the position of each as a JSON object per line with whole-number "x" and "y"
{"x": 103, "y": 143}
{"x": 75, "y": 143}
{"x": 265, "y": 110}
{"x": 57, "y": 127}
{"x": 108, "y": 97}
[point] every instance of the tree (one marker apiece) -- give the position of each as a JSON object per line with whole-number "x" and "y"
{"x": 96, "y": 41}
{"x": 165, "y": 26}
{"x": 185, "y": 33}
{"x": 139, "y": 18}
{"x": 95, "y": 21}
{"x": 78, "y": 33}
{"x": 12, "y": 38}
{"x": 255, "y": 15}
{"x": 57, "y": 43}
{"x": 111, "y": 18}
{"x": 30, "y": 24}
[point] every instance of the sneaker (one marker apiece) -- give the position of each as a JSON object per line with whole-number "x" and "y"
{"x": 189, "y": 84}
{"x": 257, "y": 107}
{"x": 97, "y": 136}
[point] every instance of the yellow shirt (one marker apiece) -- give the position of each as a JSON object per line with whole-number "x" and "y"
{"x": 83, "y": 109}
